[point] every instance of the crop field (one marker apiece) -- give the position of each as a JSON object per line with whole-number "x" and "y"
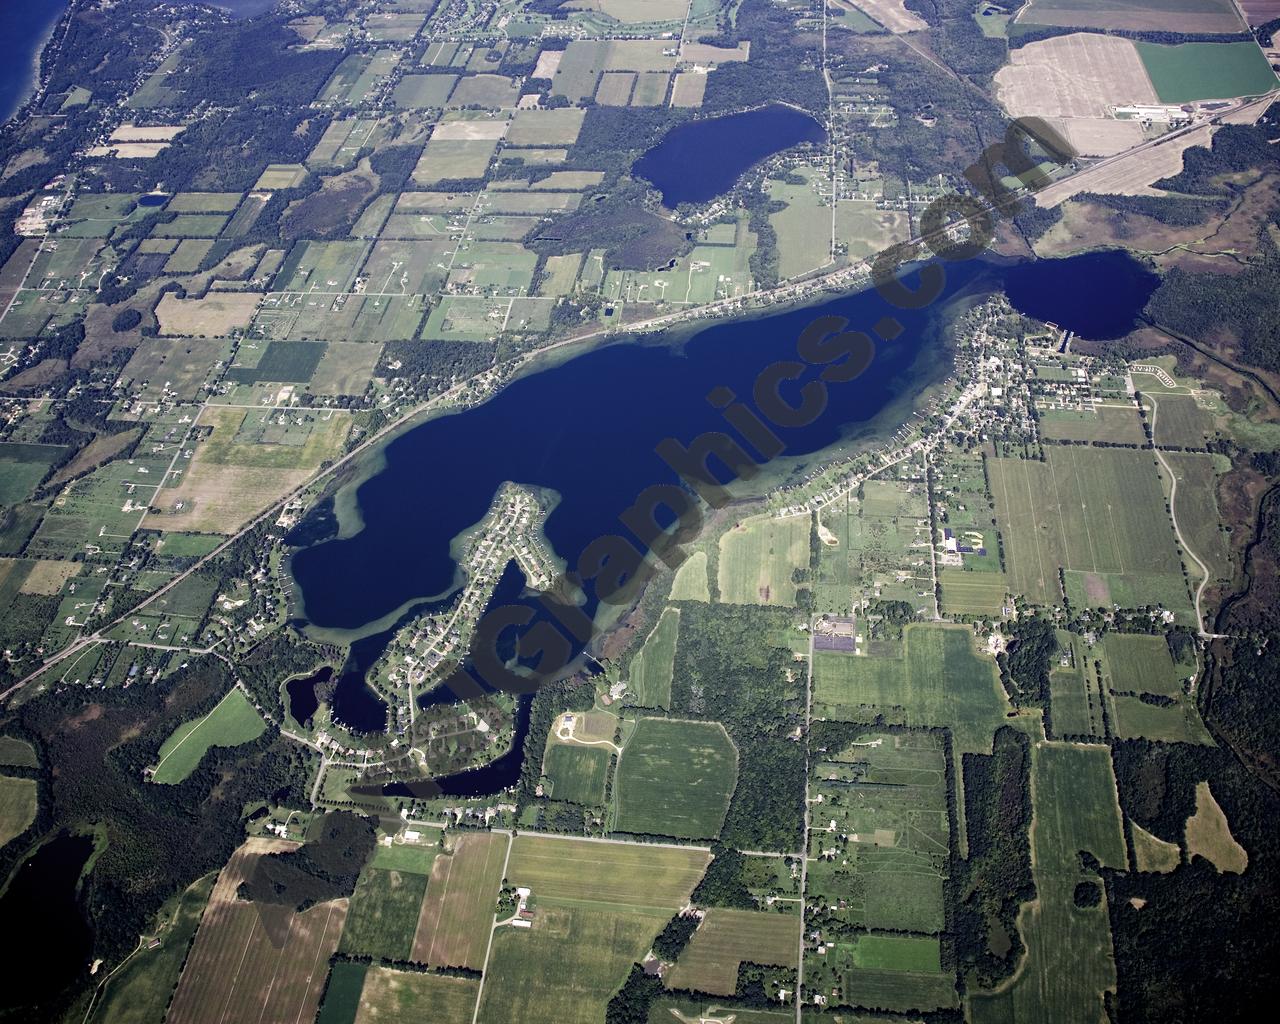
{"x": 651, "y": 669}
{"x": 1181, "y": 422}
{"x": 292, "y": 362}
{"x": 22, "y": 467}
{"x": 187, "y": 255}
{"x": 972, "y": 593}
{"x": 408, "y": 858}
{"x": 1206, "y": 71}
{"x": 449, "y": 159}
{"x": 598, "y": 907}
{"x": 618, "y": 876}
{"x": 939, "y": 681}
{"x": 493, "y": 92}
{"x": 203, "y": 202}
{"x": 546, "y": 127}
{"x": 1077, "y": 75}
{"x": 406, "y": 997}
{"x": 342, "y": 993}
{"x": 236, "y": 972}
{"x": 1177, "y": 722}
{"x": 1143, "y": 664}
{"x": 421, "y": 91}
{"x": 1098, "y": 511}
{"x": 615, "y": 88}
{"x": 1209, "y": 16}
{"x": 1074, "y": 704}
{"x": 577, "y": 773}
{"x": 462, "y": 893}
{"x": 1197, "y": 510}
{"x": 688, "y": 89}
{"x": 1074, "y": 807}
{"x": 589, "y": 947}
{"x": 1118, "y": 424}
{"x": 758, "y": 557}
{"x": 727, "y": 937}
{"x": 888, "y": 794}
{"x": 218, "y": 313}
{"x": 1151, "y": 853}
{"x": 651, "y": 89}
{"x": 14, "y": 751}
{"x": 383, "y": 915}
{"x": 346, "y": 368}
{"x": 232, "y": 722}
{"x": 675, "y": 779}
{"x": 1209, "y": 835}
{"x": 320, "y": 266}
{"x": 343, "y": 140}
{"x": 280, "y": 176}
{"x": 240, "y": 469}
{"x": 691, "y": 582}
{"x": 17, "y": 806}
{"x": 804, "y": 227}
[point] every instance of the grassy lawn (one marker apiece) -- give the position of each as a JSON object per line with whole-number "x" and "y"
{"x": 232, "y": 722}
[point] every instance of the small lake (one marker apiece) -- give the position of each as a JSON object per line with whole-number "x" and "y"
{"x": 699, "y": 160}
{"x": 45, "y": 940}
{"x": 1097, "y": 295}
{"x": 153, "y": 199}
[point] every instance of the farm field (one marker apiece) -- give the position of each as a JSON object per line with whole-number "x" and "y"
{"x": 577, "y": 773}
{"x": 938, "y": 681}
{"x": 342, "y": 993}
{"x": 1112, "y": 423}
{"x": 1209, "y": 835}
{"x": 17, "y": 806}
{"x": 1208, "y": 16}
{"x": 597, "y": 908}
{"x": 462, "y": 892}
{"x": 1151, "y": 853}
{"x": 972, "y": 593}
{"x": 650, "y": 675}
{"x": 675, "y": 778}
{"x": 1206, "y": 71}
{"x": 1198, "y": 514}
{"x": 758, "y": 557}
{"x": 235, "y": 971}
{"x": 1103, "y": 518}
{"x": 383, "y": 915}
{"x": 232, "y": 722}
{"x": 620, "y": 875}
{"x": 727, "y": 937}
{"x": 405, "y": 997}
{"x": 1074, "y": 808}
{"x": 691, "y": 582}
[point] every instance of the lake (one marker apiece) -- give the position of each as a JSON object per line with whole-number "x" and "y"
{"x": 699, "y": 160}
{"x": 1096, "y": 294}
{"x": 587, "y": 429}
{"x": 24, "y": 29}
{"x": 44, "y": 937}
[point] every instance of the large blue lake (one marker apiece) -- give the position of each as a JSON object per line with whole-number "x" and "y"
{"x": 24, "y": 26}
{"x": 699, "y": 160}
{"x": 587, "y": 429}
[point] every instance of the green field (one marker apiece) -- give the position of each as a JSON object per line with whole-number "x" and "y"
{"x": 726, "y": 938}
{"x": 14, "y": 751}
{"x": 675, "y": 779}
{"x": 617, "y": 875}
{"x": 1197, "y": 509}
{"x": 408, "y": 997}
{"x": 1096, "y": 511}
{"x": 1206, "y": 71}
{"x": 407, "y": 857}
{"x": 1149, "y": 696}
{"x": 758, "y": 557}
{"x": 17, "y": 806}
{"x": 232, "y": 722}
{"x": 139, "y": 992}
{"x": 650, "y": 674}
{"x": 598, "y": 908}
{"x": 939, "y": 681}
{"x": 342, "y": 993}
{"x": 887, "y": 972}
{"x": 972, "y": 593}
{"x": 577, "y": 773}
{"x": 1075, "y": 808}
{"x": 384, "y": 914}
{"x": 691, "y": 582}
{"x": 1144, "y": 664}
{"x": 889, "y": 790}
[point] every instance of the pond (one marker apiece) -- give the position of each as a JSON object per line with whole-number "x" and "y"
{"x": 702, "y": 159}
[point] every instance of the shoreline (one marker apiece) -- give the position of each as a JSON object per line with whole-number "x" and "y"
{"x": 35, "y": 82}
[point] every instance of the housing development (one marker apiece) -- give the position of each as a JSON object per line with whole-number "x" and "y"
{"x": 758, "y": 511}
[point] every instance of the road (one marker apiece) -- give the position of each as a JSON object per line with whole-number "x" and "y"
{"x": 804, "y": 838}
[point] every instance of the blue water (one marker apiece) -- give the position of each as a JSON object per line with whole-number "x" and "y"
{"x": 699, "y": 160}
{"x": 23, "y": 27}
{"x": 1097, "y": 295}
